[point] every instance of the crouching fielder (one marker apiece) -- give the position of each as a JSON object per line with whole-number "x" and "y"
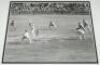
{"x": 27, "y": 36}
{"x": 52, "y": 25}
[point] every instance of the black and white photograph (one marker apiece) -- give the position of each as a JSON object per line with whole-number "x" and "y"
{"x": 49, "y": 32}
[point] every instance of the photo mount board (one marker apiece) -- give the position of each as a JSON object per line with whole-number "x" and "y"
{"x": 49, "y": 43}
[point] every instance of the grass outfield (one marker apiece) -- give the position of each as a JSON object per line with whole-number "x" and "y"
{"x": 61, "y": 45}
